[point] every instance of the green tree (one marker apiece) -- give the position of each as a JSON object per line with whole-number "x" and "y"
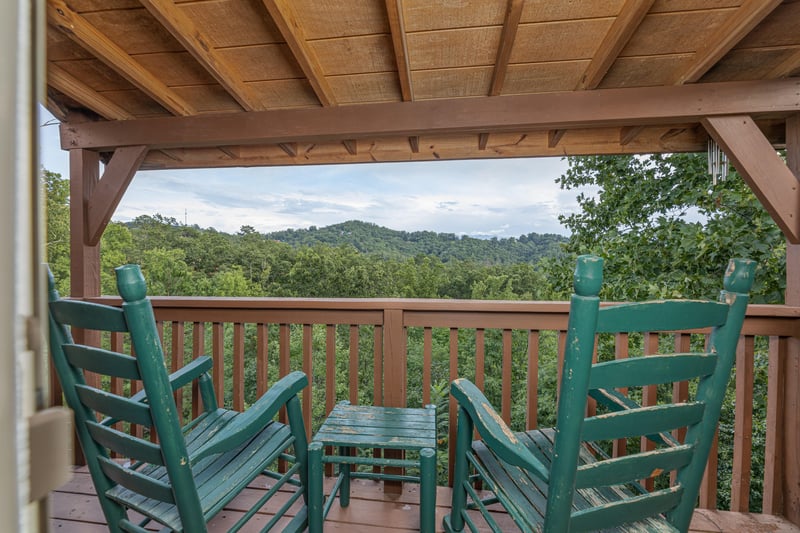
{"x": 664, "y": 230}
{"x": 56, "y": 193}
{"x": 115, "y": 248}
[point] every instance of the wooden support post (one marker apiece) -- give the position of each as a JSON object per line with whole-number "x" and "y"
{"x": 84, "y": 173}
{"x": 791, "y": 398}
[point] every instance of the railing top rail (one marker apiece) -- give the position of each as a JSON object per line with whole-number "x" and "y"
{"x": 406, "y": 304}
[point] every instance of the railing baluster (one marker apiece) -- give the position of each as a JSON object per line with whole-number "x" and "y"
{"x": 330, "y": 368}
{"x": 218, "y": 357}
{"x": 507, "y": 377}
{"x": 377, "y": 376}
{"x": 743, "y": 432}
{"x": 532, "y": 409}
{"x": 453, "y": 408}
{"x": 480, "y": 358}
{"x": 178, "y": 339}
{"x": 238, "y": 366}
{"x": 198, "y": 349}
{"x": 773, "y": 447}
{"x": 621, "y": 351}
{"x": 427, "y": 358}
{"x": 649, "y": 397}
{"x": 354, "y": 364}
{"x": 262, "y": 358}
{"x": 708, "y": 487}
{"x": 680, "y": 391}
{"x": 562, "y": 346}
{"x": 308, "y": 357}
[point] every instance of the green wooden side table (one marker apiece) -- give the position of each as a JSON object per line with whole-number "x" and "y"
{"x": 369, "y": 427}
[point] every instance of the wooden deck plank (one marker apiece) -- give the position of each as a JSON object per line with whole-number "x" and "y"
{"x": 74, "y": 508}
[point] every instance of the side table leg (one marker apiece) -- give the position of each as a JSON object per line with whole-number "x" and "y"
{"x": 344, "y": 473}
{"x": 315, "y": 495}
{"x": 427, "y": 490}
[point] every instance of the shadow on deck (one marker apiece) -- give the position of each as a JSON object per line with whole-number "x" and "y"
{"x": 74, "y": 508}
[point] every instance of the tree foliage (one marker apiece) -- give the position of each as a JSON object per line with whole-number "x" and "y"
{"x": 664, "y": 230}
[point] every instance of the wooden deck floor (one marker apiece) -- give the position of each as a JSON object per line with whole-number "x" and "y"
{"x": 75, "y": 508}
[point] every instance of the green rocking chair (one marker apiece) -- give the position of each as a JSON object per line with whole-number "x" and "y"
{"x": 190, "y": 473}
{"x": 562, "y": 479}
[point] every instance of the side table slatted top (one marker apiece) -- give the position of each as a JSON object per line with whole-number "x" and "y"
{"x": 380, "y": 427}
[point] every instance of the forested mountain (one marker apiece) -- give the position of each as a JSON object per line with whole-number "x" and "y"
{"x": 373, "y": 239}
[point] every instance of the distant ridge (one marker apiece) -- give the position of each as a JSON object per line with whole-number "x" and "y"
{"x": 370, "y": 238}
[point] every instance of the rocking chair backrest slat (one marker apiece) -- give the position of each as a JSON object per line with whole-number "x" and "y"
{"x": 655, "y": 369}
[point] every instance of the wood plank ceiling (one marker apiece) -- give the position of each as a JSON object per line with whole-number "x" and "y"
{"x": 330, "y": 81}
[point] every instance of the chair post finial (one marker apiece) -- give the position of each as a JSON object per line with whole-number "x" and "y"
{"x": 588, "y": 276}
{"x": 739, "y": 275}
{"x": 130, "y": 283}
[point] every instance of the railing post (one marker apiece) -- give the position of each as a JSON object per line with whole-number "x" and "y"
{"x": 791, "y": 435}
{"x": 394, "y": 359}
{"x": 394, "y": 377}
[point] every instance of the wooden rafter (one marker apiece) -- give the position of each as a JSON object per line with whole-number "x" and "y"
{"x": 510, "y": 26}
{"x": 289, "y": 148}
{"x": 351, "y": 145}
{"x": 184, "y": 30}
{"x": 483, "y": 140}
{"x": 413, "y": 143}
{"x": 64, "y": 82}
{"x": 554, "y": 137}
{"x": 108, "y": 192}
{"x": 629, "y": 133}
{"x": 290, "y": 27}
{"x": 623, "y": 28}
{"x": 776, "y": 187}
{"x": 725, "y": 37}
{"x": 60, "y": 15}
{"x": 394, "y": 11}
{"x": 519, "y": 113}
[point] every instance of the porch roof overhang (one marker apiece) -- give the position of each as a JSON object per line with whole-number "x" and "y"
{"x": 197, "y": 83}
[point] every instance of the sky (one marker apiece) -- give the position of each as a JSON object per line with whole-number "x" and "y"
{"x": 478, "y": 198}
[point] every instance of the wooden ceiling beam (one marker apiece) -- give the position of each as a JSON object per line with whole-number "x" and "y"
{"x": 518, "y": 113}
{"x": 185, "y": 32}
{"x": 64, "y": 82}
{"x": 290, "y": 27}
{"x": 394, "y": 12}
{"x": 621, "y": 31}
{"x": 509, "y": 34}
{"x": 725, "y": 37}
{"x": 60, "y": 15}
{"x": 773, "y": 183}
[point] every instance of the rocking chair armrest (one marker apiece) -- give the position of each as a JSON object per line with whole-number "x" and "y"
{"x": 183, "y": 376}
{"x": 495, "y": 433}
{"x": 254, "y": 419}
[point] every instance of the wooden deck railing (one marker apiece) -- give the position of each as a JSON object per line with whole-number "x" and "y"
{"x": 404, "y": 352}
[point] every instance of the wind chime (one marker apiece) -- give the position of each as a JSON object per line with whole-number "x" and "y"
{"x": 717, "y": 162}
